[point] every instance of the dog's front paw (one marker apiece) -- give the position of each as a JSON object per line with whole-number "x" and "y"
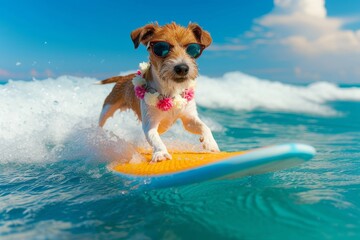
{"x": 159, "y": 156}
{"x": 209, "y": 144}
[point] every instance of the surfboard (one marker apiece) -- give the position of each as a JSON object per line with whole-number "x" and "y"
{"x": 193, "y": 167}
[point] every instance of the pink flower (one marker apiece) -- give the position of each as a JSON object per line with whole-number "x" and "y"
{"x": 189, "y": 94}
{"x": 138, "y": 72}
{"x": 165, "y": 104}
{"x": 140, "y": 92}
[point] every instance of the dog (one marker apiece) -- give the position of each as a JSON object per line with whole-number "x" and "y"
{"x": 163, "y": 90}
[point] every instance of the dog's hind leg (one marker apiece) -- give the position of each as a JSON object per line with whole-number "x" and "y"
{"x": 107, "y": 111}
{"x": 114, "y": 101}
{"x": 121, "y": 97}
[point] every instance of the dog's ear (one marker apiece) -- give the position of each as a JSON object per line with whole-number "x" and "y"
{"x": 143, "y": 34}
{"x": 201, "y": 35}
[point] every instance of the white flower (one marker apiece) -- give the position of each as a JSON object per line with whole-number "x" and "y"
{"x": 179, "y": 101}
{"x": 151, "y": 99}
{"x": 192, "y": 84}
{"x": 144, "y": 66}
{"x": 138, "y": 81}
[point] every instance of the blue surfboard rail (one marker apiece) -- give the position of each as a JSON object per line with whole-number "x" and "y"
{"x": 251, "y": 162}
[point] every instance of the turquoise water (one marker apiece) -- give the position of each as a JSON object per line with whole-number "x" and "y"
{"x": 54, "y": 183}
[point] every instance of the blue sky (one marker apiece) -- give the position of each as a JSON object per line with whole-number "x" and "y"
{"x": 285, "y": 40}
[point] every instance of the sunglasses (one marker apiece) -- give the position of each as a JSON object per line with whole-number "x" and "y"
{"x": 162, "y": 49}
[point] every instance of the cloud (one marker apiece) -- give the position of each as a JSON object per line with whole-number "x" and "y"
{"x": 49, "y": 73}
{"x": 4, "y": 73}
{"x": 314, "y": 8}
{"x": 299, "y": 37}
{"x": 304, "y": 26}
{"x": 33, "y": 73}
{"x": 340, "y": 42}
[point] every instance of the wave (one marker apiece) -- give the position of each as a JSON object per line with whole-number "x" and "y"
{"x": 238, "y": 91}
{"x": 55, "y": 119}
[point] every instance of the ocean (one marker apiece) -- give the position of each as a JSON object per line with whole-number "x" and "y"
{"x": 55, "y": 184}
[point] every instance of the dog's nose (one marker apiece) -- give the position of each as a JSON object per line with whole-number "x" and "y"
{"x": 181, "y": 69}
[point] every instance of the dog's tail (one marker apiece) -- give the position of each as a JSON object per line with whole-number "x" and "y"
{"x": 116, "y": 79}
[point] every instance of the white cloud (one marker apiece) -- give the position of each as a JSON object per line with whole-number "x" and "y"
{"x": 300, "y": 38}
{"x": 338, "y": 42}
{"x": 4, "y": 73}
{"x": 314, "y": 8}
{"x": 304, "y": 26}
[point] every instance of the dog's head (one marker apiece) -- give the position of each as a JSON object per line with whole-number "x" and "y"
{"x": 173, "y": 49}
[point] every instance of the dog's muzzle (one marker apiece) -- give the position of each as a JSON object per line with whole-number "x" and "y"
{"x": 181, "y": 69}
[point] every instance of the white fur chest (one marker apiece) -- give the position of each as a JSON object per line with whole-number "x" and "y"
{"x": 165, "y": 119}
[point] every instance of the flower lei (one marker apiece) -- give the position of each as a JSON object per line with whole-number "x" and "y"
{"x": 155, "y": 99}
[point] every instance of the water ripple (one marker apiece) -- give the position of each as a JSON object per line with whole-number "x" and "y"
{"x": 240, "y": 205}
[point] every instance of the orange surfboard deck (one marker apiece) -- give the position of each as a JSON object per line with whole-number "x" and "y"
{"x": 179, "y": 162}
{"x": 187, "y": 168}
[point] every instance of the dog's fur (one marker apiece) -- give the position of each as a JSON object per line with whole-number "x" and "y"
{"x": 164, "y": 79}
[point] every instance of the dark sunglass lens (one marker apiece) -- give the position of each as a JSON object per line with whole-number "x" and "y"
{"x": 194, "y": 50}
{"x": 161, "y": 49}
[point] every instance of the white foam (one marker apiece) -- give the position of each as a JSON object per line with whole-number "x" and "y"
{"x": 239, "y": 91}
{"x": 55, "y": 119}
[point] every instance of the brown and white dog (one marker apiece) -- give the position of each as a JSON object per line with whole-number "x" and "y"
{"x": 172, "y": 70}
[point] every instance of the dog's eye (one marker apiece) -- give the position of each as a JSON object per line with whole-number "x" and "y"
{"x": 161, "y": 49}
{"x": 194, "y": 50}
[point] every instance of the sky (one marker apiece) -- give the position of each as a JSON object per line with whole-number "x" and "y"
{"x": 295, "y": 41}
